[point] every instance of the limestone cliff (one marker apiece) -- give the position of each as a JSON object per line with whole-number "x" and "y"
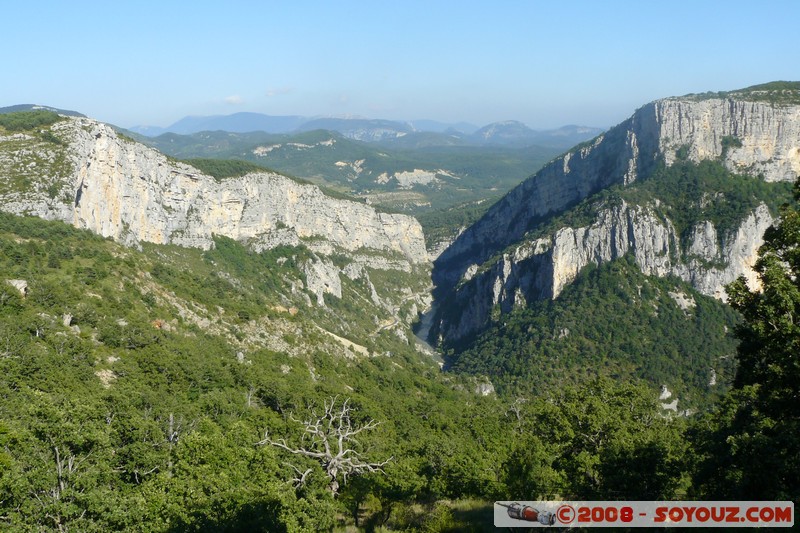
{"x": 543, "y": 267}
{"x": 503, "y": 260}
{"x": 765, "y": 137}
{"x": 96, "y": 179}
{"x": 765, "y": 143}
{"x": 127, "y": 191}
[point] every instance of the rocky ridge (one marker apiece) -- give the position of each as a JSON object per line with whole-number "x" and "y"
{"x": 542, "y": 268}
{"x": 493, "y": 263}
{"x": 121, "y": 189}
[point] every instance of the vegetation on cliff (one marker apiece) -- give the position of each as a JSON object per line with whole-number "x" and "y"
{"x": 638, "y": 328}
{"x": 28, "y": 120}
{"x": 775, "y": 93}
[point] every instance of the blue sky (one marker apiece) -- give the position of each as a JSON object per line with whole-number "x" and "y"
{"x": 544, "y": 63}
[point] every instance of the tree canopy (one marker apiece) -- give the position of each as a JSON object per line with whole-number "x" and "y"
{"x": 749, "y": 445}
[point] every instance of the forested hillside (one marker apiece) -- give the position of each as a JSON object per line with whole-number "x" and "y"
{"x": 658, "y": 330}
{"x": 613, "y": 319}
{"x": 125, "y": 405}
{"x": 141, "y": 391}
{"x": 136, "y": 386}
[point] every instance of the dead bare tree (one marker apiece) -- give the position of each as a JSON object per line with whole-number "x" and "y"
{"x": 330, "y": 438}
{"x": 516, "y": 409}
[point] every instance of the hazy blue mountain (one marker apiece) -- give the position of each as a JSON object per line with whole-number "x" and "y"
{"x": 398, "y": 134}
{"x": 425, "y": 139}
{"x": 368, "y": 130}
{"x": 443, "y": 127}
{"x": 515, "y": 133}
{"x": 503, "y": 132}
{"x": 237, "y": 123}
{"x": 147, "y": 131}
{"x": 566, "y": 135}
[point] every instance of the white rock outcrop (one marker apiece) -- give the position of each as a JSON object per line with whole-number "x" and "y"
{"x": 769, "y": 136}
{"x": 543, "y": 268}
{"x": 494, "y": 265}
{"x": 322, "y": 277}
{"x": 124, "y": 190}
{"x": 20, "y": 284}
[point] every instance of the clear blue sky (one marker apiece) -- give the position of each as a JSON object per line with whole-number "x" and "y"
{"x": 544, "y": 63}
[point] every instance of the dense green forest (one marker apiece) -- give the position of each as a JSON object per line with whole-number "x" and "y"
{"x": 124, "y": 405}
{"x": 28, "y": 120}
{"x": 637, "y": 328}
{"x": 118, "y": 411}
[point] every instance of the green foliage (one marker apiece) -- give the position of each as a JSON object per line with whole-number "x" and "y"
{"x": 51, "y": 137}
{"x": 728, "y": 142}
{"x": 445, "y": 224}
{"x": 775, "y": 93}
{"x": 135, "y": 386}
{"x": 226, "y": 168}
{"x": 126, "y": 365}
{"x": 774, "y": 86}
{"x": 28, "y": 120}
{"x": 685, "y": 193}
{"x": 694, "y": 192}
{"x": 637, "y": 330}
{"x": 598, "y": 440}
{"x": 749, "y": 446}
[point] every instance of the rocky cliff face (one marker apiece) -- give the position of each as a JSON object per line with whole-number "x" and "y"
{"x": 766, "y": 137}
{"x": 765, "y": 143}
{"x": 542, "y": 268}
{"x": 132, "y": 193}
{"x": 124, "y": 190}
{"x": 494, "y": 265}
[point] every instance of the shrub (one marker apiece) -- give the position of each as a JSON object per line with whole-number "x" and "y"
{"x": 28, "y": 120}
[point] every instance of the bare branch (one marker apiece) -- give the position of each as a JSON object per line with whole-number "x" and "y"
{"x": 299, "y": 481}
{"x": 333, "y": 429}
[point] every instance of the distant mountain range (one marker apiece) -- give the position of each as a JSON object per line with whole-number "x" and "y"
{"x": 236, "y": 123}
{"x": 414, "y": 134}
{"x": 390, "y": 133}
{"x": 514, "y": 133}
